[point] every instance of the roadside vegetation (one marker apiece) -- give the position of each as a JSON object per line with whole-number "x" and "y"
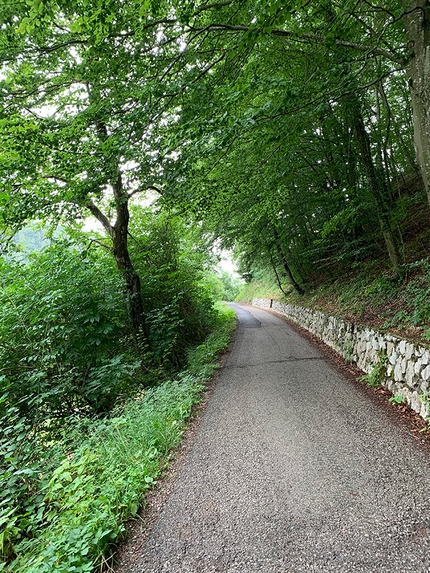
{"x": 368, "y": 293}
{"x": 293, "y": 134}
{"x": 357, "y": 280}
{"x": 89, "y": 413}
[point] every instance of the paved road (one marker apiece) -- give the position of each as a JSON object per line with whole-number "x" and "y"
{"x": 292, "y": 469}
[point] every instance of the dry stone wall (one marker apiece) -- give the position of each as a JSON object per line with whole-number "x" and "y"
{"x": 402, "y": 367}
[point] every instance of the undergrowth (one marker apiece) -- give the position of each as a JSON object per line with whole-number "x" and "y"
{"x": 258, "y": 289}
{"x": 81, "y": 490}
{"x": 372, "y": 294}
{"x": 377, "y": 374}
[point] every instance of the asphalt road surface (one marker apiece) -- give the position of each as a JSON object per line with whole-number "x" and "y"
{"x": 293, "y": 468}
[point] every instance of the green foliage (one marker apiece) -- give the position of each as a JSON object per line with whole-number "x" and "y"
{"x": 230, "y": 286}
{"x": 277, "y": 126}
{"x": 256, "y": 149}
{"x": 267, "y": 131}
{"x": 348, "y": 347}
{"x": 62, "y": 352}
{"x": 377, "y": 373}
{"x": 68, "y": 356}
{"x": 175, "y": 271}
{"x": 201, "y": 359}
{"x": 396, "y": 400}
{"x": 101, "y": 484}
{"x": 418, "y": 291}
{"x": 76, "y": 506}
{"x": 24, "y": 466}
{"x": 215, "y": 285}
{"x": 425, "y": 399}
{"x": 62, "y": 318}
{"x": 383, "y": 287}
{"x": 262, "y": 287}
{"x": 414, "y": 293}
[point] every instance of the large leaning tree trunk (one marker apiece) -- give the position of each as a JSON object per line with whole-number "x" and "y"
{"x": 118, "y": 233}
{"x": 417, "y": 23}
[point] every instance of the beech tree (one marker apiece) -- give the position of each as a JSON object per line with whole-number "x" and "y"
{"x": 83, "y": 96}
{"x": 395, "y": 32}
{"x": 87, "y": 92}
{"x": 297, "y": 60}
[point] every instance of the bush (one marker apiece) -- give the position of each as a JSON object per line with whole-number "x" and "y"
{"x": 63, "y": 354}
{"x": 62, "y": 318}
{"x": 83, "y": 501}
{"x": 177, "y": 292}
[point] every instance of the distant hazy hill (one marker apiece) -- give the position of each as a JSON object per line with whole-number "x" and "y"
{"x": 31, "y": 239}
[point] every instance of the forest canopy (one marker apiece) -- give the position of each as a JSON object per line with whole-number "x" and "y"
{"x": 294, "y": 133}
{"x": 290, "y": 130}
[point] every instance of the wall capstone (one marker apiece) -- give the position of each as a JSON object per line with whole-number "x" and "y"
{"x": 405, "y": 366}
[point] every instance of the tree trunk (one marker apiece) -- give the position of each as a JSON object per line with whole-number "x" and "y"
{"x": 131, "y": 278}
{"x": 417, "y": 23}
{"x": 119, "y": 235}
{"x": 285, "y": 264}
{"x": 122, "y": 257}
{"x": 375, "y": 181}
{"x": 278, "y": 280}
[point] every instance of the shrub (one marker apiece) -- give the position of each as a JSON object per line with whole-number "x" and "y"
{"x": 94, "y": 488}
{"x": 62, "y": 316}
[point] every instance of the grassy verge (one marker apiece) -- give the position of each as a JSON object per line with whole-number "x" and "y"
{"x": 258, "y": 289}
{"x": 86, "y": 499}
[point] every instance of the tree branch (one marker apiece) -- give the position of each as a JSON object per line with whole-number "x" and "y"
{"x": 154, "y": 188}
{"x": 101, "y": 217}
{"x": 210, "y": 6}
{"x": 99, "y": 243}
{"x": 314, "y": 37}
{"x": 333, "y": 93}
{"x": 150, "y": 187}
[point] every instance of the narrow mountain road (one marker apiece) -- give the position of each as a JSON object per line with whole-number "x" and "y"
{"x": 292, "y": 469}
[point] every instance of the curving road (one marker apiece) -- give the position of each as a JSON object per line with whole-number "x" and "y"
{"x": 292, "y": 469}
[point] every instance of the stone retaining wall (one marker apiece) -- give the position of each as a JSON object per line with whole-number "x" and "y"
{"x": 402, "y": 367}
